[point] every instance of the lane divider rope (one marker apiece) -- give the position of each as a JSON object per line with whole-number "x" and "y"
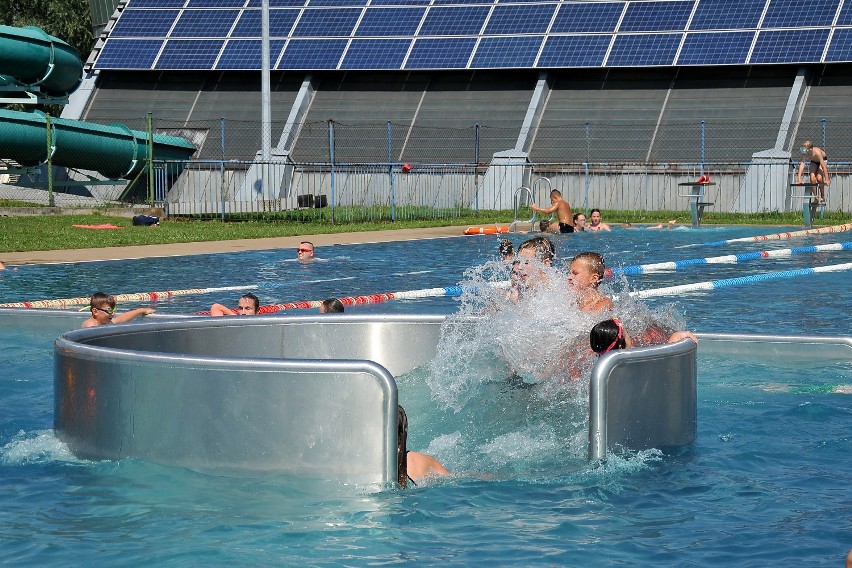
{"x": 776, "y": 236}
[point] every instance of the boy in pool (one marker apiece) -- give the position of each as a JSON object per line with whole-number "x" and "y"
{"x": 562, "y": 210}
{"x": 610, "y": 334}
{"x": 331, "y": 306}
{"x": 102, "y": 307}
{"x": 524, "y": 274}
{"x": 584, "y": 276}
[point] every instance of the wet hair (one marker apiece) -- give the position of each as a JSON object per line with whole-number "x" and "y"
{"x": 332, "y": 305}
{"x": 99, "y": 298}
{"x": 577, "y": 215}
{"x": 594, "y": 211}
{"x": 807, "y": 144}
{"x": 543, "y": 226}
{"x": 595, "y": 262}
{"x": 604, "y": 336}
{"x": 506, "y": 248}
{"x": 253, "y": 299}
{"x": 543, "y": 247}
{"x": 555, "y": 193}
{"x": 401, "y": 445}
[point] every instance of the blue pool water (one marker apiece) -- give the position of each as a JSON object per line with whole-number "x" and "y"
{"x": 765, "y": 483}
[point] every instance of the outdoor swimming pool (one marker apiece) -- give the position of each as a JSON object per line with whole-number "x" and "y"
{"x": 766, "y": 481}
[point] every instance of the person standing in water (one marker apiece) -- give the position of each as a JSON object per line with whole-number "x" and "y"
{"x": 413, "y": 466}
{"x": 585, "y": 274}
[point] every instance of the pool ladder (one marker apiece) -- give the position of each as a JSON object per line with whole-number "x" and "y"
{"x": 523, "y": 198}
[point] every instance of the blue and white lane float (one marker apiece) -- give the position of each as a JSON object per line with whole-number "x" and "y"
{"x": 716, "y": 284}
{"x": 726, "y": 259}
{"x": 776, "y": 236}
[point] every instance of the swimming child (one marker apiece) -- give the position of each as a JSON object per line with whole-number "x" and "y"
{"x": 413, "y": 466}
{"x": 507, "y": 250}
{"x": 102, "y": 307}
{"x": 248, "y": 305}
{"x": 585, "y": 275}
{"x": 331, "y": 306}
{"x": 610, "y": 334}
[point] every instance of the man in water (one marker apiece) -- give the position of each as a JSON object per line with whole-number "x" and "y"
{"x": 305, "y": 253}
{"x": 562, "y": 210}
{"x": 247, "y": 306}
{"x": 818, "y": 168}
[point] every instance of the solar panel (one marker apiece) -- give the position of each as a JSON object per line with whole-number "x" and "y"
{"x": 789, "y": 46}
{"x": 503, "y": 52}
{"x": 337, "y": 3}
{"x": 724, "y": 48}
{"x": 587, "y": 17}
{"x": 574, "y": 51}
{"x": 656, "y": 16}
{"x": 128, "y": 53}
{"x": 449, "y": 53}
{"x": 727, "y": 15}
{"x": 246, "y": 54}
{"x": 205, "y": 23}
{"x": 841, "y": 46}
{"x": 454, "y": 20}
{"x": 280, "y": 23}
{"x": 378, "y": 22}
{"x": 321, "y": 22}
{"x": 312, "y": 54}
{"x": 643, "y": 50}
{"x": 145, "y": 23}
{"x": 215, "y": 3}
{"x": 845, "y": 17}
{"x": 439, "y": 2}
{"x": 520, "y": 19}
{"x": 398, "y": 2}
{"x": 277, "y": 3}
{"x": 189, "y": 54}
{"x": 158, "y": 3}
{"x": 798, "y": 13}
{"x": 375, "y": 54}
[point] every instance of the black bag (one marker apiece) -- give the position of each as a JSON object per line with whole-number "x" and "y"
{"x": 146, "y": 220}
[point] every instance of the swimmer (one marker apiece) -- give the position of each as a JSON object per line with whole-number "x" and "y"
{"x": 579, "y": 222}
{"x": 610, "y": 334}
{"x": 562, "y": 210}
{"x": 331, "y": 306}
{"x": 669, "y": 225}
{"x": 413, "y": 466}
{"x": 818, "y": 168}
{"x": 596, "y": 224}
{"x": 545, "y": 226}
{"x": 2, "y": 267}
{"x": 102, "y": 307}
{"x": 305, "y": 253}
{"x": 585, "y": 274}
{"x": 248, "y": 305}
{"x": 507, "y": 250}
{"x": 524, "y": 274}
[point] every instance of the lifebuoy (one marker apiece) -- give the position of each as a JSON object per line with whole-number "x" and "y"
{"x": 495, "y": 230}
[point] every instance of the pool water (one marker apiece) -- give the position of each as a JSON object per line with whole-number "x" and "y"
{"x": 766, "y": 481}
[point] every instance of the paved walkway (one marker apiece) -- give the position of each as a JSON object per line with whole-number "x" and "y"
{"x": 182, "y": 249}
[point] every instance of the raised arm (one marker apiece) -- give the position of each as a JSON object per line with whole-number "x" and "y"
{"x": 220, "y": 310}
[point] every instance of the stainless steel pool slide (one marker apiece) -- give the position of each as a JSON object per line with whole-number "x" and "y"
{"x": 315, "y": 395}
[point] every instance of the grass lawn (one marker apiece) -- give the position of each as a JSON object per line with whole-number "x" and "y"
{"x": 56, "y": 232}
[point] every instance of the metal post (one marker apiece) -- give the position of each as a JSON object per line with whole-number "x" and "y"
{"x": 50, "y": 198}
{"x": 390, "y": 173}
{"x": 823, "y": 134}
{"x": 149, "y": 119}
{"x": 586, "y": 164}
{"x": 476, "y": 163}
{"x": 331, "y": 161}
{"x": 222, "y": 163}
{"x": 265, "y": 98}
{"x": 702, "y": 148}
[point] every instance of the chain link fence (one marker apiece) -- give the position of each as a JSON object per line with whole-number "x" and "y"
{"x": 395, "y": 171}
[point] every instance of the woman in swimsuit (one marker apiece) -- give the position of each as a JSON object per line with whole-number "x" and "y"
{"x": 412, "y": 466}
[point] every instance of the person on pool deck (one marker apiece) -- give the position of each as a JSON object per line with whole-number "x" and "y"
{"x": 579, "y": 222}
{"x": 562, "y": 210}
{"x": 506, "y": 250}
{"x": 818, "y": 168}
{"x": 305, "y": 253}
{"x": 610, "y": 334}
{"x": 331, "y": 306}
{"x": 102, "y": 307}
{"x": 596, "y": 224}
{"x": 2, "y": 267}
{"x": 248, "y": 305}
{"x": 413, "y": 466}
{"x": 585, "y": 274}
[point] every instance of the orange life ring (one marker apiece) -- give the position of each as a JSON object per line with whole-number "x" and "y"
{"x": 495, "y": 230}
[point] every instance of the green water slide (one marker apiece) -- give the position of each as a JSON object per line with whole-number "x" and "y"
{"x": 33, "y": 59}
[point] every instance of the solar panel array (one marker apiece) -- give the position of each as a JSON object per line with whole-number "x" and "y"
{"x": 476, "y": 34}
